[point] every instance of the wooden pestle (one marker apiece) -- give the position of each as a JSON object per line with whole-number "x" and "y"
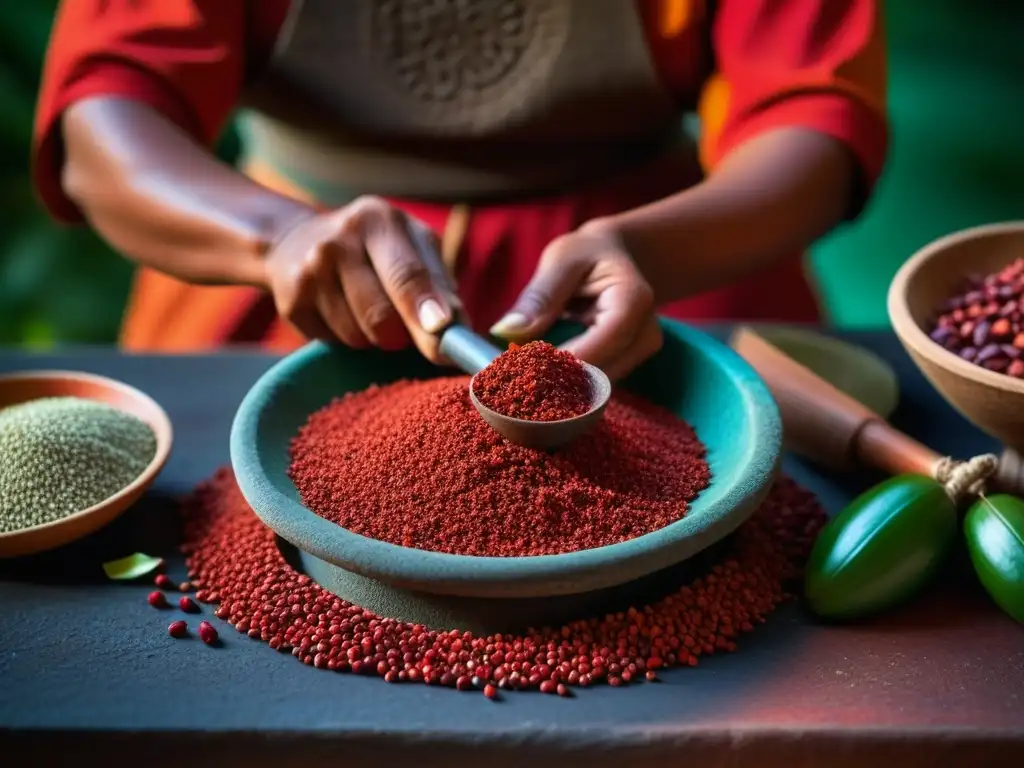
{"x": 831, "y": 428}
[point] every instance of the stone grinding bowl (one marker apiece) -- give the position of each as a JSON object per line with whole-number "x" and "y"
{"x": 992, "y": 401}
{"x": 696, "y": 377}
{"x": 33, "y": 385}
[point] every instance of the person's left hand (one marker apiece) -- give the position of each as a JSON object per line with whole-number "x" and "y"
{"x": 587, "y": 275}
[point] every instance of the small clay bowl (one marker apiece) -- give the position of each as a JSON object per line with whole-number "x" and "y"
{"x": 993, "y": 401}
{"x": 858, "y": 372}
{"x": 33, "y": 385}
{"x": 694, "y": 375}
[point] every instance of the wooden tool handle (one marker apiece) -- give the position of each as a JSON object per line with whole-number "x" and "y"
{"x": 825, "y": 424}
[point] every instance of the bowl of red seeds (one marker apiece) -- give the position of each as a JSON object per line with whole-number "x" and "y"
{"x": 957, "y": 307}
{"x": 398, "y": 497}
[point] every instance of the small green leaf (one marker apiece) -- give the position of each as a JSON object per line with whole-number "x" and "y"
{"x": 131, "y": 567}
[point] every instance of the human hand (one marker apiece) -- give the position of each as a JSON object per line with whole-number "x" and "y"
{"x": 355, "y": 274}
{"x": 588, "y": 276}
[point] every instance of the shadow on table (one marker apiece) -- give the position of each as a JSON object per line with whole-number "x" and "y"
{"x": 152, "y": 526}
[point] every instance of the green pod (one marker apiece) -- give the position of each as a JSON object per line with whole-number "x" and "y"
{"x": 994, "y": 528}
{"x": 881, "y": 549}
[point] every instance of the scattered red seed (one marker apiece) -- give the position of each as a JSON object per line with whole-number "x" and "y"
{"x": 413, "y": 464}
{"x": 536, "y": 382}
{"x": 188, "y": 605}
{"x": 177, "y": 629}
{"x": 185, "y": 586}
{"x": 207, "y": 632}
{"x": 231, "y": 551}
{"x": 490, "y": 691}
{"x": 157, "y": 599}
{"x": 163, "y": 581}
{"x": 651, "y": 675}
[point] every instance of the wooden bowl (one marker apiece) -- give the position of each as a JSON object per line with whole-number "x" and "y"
{"x": 992, "y": 401}
{"x": 32, "y": 385}
{"x": 698, "y": 378}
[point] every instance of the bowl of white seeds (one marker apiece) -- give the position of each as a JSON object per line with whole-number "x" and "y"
{"x": 76, "y": 450}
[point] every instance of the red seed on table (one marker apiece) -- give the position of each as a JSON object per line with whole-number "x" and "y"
{"x": 185, "y": 586}
{"x": 157, "y": 599}
{"x": 163, "y": 581}
{"x": 207, "y": 632}
{"x": 188, "y": 605}
{"x": 490, "y": 691}
{"x": 177, "y": 629}
{"x": 232, "y": 552}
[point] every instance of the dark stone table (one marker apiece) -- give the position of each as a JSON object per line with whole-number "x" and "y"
{"x": 87, "y": 670}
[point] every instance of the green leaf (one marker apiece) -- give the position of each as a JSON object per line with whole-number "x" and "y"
{"x": 132, "y": 567}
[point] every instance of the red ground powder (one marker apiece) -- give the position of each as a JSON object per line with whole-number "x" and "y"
{"x": 412, "y": 463}
{"x": 536, "y": 382}
{"x": 234, "y": 560}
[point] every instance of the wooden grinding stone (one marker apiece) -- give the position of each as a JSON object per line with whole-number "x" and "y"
{"x": 698, "y": 378}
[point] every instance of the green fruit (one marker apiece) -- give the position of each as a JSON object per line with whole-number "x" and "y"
{"x": 881, "y": 549}
{"x": 994, "y": 527}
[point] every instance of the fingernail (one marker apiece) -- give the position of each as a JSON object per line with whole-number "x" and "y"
{"x": 513, "y": 322}
{"x": 432, "y": 316}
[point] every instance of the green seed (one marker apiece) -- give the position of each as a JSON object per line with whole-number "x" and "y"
{"x": 60, "y": 455}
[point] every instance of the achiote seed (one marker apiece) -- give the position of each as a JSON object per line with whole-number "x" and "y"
{"x": 163, "y": 581}
{"x": 207, "y": 632}
{"x": 157, "y": 599}
{"x": 177, "y": 629}
{"x": 188, "y": 605}
{"x": 231, "y": 552}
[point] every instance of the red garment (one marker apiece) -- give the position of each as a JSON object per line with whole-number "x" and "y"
{"x": 818, "y": 64}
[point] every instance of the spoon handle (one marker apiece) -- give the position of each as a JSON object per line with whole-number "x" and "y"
{"x": 466, "y": 349}
{"x": 825, "y": 424}
{"x": 459, "y": 343}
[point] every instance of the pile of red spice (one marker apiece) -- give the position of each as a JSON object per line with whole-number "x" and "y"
{"x": 983, "y": 323}
{"x": 412, "y": 463}
{"x": 234, "y": 560}
{"x": 535, "y": 382}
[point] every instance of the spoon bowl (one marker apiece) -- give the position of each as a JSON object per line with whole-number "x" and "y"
{"x": 473, "y": 353}
{"x": 546, "y": 435}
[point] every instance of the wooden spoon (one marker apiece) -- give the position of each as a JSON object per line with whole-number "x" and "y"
{"x": 831, "y": 428}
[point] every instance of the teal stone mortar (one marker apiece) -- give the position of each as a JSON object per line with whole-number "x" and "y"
{"x": 695, "y": 376}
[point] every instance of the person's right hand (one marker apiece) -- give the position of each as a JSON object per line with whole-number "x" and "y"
{"x": 356, "y": 275}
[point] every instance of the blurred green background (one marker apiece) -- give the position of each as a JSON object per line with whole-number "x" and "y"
{"x": 957, "y": 109}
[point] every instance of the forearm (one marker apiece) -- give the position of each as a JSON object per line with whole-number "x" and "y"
{"x": 769, "y": 199}
{"x": 165, "y": 201}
